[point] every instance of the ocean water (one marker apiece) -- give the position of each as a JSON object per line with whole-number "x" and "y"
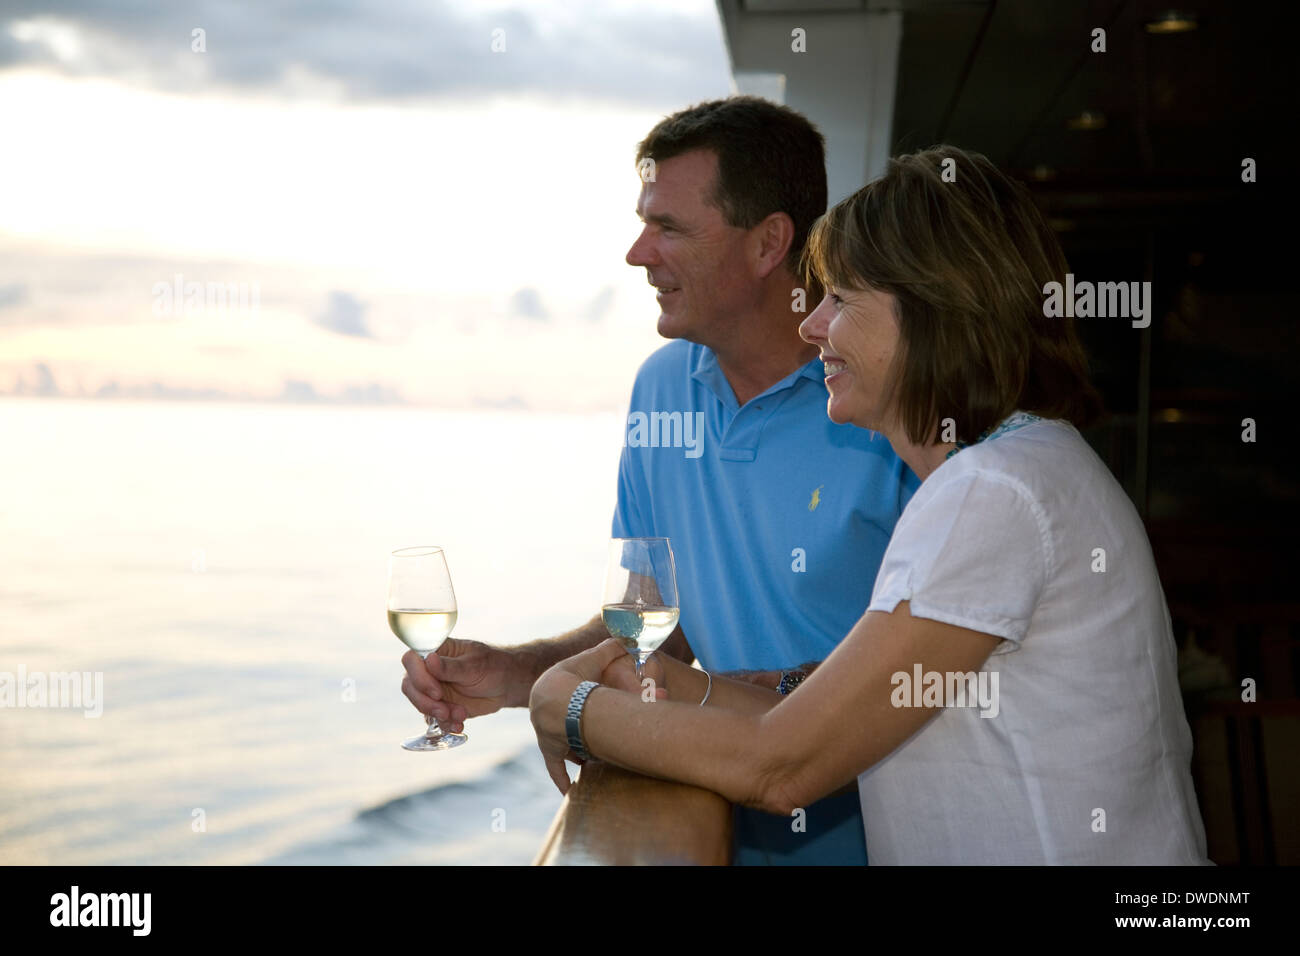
{"x": 223, "y": 567}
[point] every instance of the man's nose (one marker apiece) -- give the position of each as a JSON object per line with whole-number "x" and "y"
{"x": 641, "y": 253}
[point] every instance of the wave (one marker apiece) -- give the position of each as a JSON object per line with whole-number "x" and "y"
{"x": 497, "y": 818}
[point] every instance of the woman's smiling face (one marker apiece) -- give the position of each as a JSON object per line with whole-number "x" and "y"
{"x": 857, "y": 332}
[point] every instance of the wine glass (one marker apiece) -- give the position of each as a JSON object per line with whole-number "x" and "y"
{"x": 640, "y": 602}
{"x": 422, "y": 612}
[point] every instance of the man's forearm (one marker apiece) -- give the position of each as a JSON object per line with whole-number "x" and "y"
{"x": 529, "y": 661}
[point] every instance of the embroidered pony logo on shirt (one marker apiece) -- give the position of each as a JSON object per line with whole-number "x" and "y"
{"x": 816, "y": 498}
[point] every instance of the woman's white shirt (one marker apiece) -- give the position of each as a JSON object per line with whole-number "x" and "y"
{"x": 1082, "y": 755}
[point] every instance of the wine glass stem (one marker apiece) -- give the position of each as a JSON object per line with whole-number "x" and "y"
{"x": 433, "y": 731}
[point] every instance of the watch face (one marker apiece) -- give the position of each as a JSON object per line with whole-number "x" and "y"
{"x": 790, "y": 680}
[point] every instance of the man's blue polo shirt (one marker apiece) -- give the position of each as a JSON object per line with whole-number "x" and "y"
{"x": 778, "y": 520}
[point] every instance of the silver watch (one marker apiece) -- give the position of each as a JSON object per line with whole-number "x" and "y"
{"x": 573, "y": 718}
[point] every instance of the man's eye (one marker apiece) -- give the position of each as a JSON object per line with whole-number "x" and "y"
{"x": 836, "y": 299}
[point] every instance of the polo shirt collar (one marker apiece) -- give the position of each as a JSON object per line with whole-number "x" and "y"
{"x": 705, "y": 370}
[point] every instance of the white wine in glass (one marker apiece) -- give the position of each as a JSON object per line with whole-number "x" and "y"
{"x": 640, "y": 605}
{"x": 422, "y": 612}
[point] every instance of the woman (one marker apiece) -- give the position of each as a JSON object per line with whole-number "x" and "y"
{"x": 1019, "y": 574}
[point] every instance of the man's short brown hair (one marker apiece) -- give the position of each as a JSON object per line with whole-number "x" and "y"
{"x": 770, "y": 159}
{"x": 966, "y": 261}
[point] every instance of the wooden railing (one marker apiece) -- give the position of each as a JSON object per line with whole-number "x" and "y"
{"x": 612, "y": 816}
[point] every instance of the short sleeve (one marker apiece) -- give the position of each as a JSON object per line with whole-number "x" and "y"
{"x": 629, "y": 521}
{"x": 973, "y": 553}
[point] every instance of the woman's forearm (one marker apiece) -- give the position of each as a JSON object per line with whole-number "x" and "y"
{"x": 686, "y": 684}
{"x": 711, "y": 747}
{"x": 841, "y": 722}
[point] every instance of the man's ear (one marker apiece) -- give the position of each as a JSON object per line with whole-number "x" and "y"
{"x": 771, "y": 241}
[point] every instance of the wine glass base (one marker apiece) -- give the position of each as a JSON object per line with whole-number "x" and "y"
{"x": 445, "y": 742}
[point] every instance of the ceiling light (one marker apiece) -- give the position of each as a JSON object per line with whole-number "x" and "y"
{"x": 1172, "y": 21}
{"x": 1088, "y": 119}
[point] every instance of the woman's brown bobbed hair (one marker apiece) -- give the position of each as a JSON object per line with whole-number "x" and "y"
{"x": 966, "y": 261}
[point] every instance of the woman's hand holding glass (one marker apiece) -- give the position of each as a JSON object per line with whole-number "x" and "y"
{"x": 608, "y": 664}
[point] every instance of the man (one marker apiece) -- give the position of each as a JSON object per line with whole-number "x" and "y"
{"x": 778, "y": 518}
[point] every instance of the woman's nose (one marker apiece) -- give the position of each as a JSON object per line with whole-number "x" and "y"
{"x": 813, "y": 328}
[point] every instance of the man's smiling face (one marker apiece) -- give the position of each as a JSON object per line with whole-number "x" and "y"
{"x": 690, "y": 254}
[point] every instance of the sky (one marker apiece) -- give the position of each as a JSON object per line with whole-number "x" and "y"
{"x": 332, "y": 201}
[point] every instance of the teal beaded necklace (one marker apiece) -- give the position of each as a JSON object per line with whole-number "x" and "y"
{"x": 1009, "y": 424}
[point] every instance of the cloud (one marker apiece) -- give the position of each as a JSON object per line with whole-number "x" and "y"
{"x": 156, "y": 390}
{"x": 528, "y": 303}
{"x": 45, "y": 384}
{"x": 372, "y": 393}
{"x": 509, "y": 403}
{"x": 296, "y": 390}
{"x": 225, "y": 351}
{"x": 344, "y": 315}
{"x": 397, "y": 50}
{"x": 599, "y": 307}
{"x": 11, "y": 295}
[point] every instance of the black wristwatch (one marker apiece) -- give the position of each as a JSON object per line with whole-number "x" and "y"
{"x": 790, "y": 680}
